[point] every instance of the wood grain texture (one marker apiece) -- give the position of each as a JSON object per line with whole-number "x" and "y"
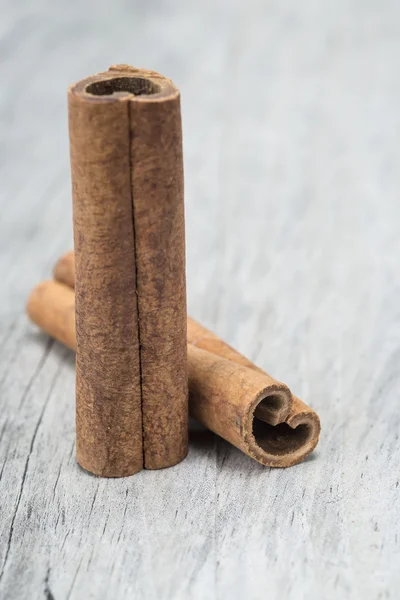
{"x": 292, "y": 252}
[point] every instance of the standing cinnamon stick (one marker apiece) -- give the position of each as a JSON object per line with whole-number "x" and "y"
{"x": 127, "y": 181}
{"x": 240, "y": 403}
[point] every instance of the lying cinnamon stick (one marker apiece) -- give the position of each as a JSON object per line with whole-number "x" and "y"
{"x": 270, "y": 426}
{"x": 127, "y": 183}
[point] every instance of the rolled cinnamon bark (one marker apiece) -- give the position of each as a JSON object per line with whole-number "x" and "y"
{"x": 51, "y": 306}
{"x": 303, "y": 421}
{"x": 237, "y": 401}
{"x": 127, "y": 182}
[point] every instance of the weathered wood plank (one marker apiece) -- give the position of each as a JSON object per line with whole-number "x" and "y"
{"x": 291, "y": 123}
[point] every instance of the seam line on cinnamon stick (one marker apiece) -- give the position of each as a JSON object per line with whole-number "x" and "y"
{"x": 130, "y": 159}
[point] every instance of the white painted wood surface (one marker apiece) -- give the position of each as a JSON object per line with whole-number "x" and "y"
{"x": 292, "y": 126}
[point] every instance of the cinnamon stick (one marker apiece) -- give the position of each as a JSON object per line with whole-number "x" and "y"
{"x": 127, "y": 181}
{"x": 240, "y": 403}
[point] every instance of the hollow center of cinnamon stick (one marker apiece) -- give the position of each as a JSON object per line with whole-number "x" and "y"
{"x": 138, "y": 86}
{"x": 280, "y": 439}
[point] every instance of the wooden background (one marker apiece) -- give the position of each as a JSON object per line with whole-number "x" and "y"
{"x": 291, "y": 117}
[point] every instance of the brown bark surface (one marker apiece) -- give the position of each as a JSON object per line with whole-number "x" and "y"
{"x": 301, "y": 417}
{"x": 127, "y": 181}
